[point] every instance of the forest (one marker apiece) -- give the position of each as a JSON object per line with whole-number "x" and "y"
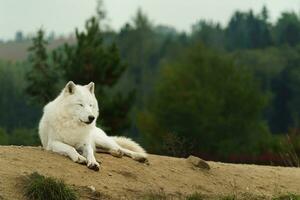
{"x": 227, "y": 93}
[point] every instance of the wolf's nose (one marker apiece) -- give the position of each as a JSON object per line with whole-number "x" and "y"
{"x": 91, "y": 118}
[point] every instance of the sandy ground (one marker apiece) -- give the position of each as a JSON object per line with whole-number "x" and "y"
{"x": 123, "y": 178}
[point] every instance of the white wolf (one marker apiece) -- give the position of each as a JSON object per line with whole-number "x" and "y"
{"x": 68, "y": 125}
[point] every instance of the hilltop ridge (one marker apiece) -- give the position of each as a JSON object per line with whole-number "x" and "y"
{"x": 123, "y": 178}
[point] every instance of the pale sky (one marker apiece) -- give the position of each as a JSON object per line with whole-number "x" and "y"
{"x": 62, "y": 16}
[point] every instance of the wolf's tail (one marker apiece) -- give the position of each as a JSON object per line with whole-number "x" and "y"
{"x": 129, "y": 144}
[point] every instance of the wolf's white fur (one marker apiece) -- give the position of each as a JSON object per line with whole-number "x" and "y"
{"x": 66, "y": 127}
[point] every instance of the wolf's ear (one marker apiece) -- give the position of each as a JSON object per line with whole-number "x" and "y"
{"x": 70, "y": 87}
{"x": 91, "y": 87}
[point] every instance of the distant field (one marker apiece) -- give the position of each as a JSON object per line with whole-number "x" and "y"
{"x": 17, "y": 51}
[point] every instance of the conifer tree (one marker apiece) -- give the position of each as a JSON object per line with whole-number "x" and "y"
{"x": 42, "y": 77}
{"x": 90, "y": 59}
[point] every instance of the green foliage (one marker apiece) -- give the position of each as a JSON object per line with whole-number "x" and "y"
{"x": 231, "y": 197}
{"x": 211, "y": 34}
{"x": 19, "y": 136}
{"x": 195, "y": 196}
{"x": 136, "y": 49}
{"x": 155, "y": 196}
{"x": 287, "y": 29}
{"x": 42, "y": 78}
{"x": 15, "y": 110}
{"x": 22, "y": 136}
{"x": 278, "y": 72}
{"x": 143, "y": 46}
{"x": 3, "y": 137}
{"x": 203, "y": 96}
{"x": 245, "y": 30}
{"x": 38, "y": 187}
{"x": 90, "y": 59}
{"x": 288, "y": 197}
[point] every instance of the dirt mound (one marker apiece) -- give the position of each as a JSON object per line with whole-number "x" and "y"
{"x": 123, "y": 178}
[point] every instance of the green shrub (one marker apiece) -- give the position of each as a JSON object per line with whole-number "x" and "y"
{"x": 38, "y": 187}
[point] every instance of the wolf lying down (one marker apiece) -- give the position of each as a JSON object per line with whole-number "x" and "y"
{"x": 68, "y": 126}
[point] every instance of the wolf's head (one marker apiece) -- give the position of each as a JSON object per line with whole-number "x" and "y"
{"x": 79, "y": 102}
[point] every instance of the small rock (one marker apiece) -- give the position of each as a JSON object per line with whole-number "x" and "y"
{"x": 92, "y": 188}
{"x": 198, "y": 162}
{"x": 109, "y": 174}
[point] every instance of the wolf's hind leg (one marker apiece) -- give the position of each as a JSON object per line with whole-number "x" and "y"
{"x": 114, "y": 152}
{"x": 134, "y": 155}
{"x": 105, "y": 144}
{"x": 66, "y": 150}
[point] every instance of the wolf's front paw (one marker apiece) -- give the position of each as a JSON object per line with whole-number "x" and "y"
{"x": 94, "y": 165}
{"x": 79, "y": 159}
{"x": 117, "y": 153}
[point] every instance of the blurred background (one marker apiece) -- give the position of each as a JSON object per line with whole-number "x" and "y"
{"x": 219, "y": 80}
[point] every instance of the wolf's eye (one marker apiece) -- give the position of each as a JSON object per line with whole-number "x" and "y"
{"x": 91, "y": 105}
{"x": 80, "y": 104}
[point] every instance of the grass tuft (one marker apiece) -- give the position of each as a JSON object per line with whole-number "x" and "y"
{"x": 288, "y": 197}
{"x": 38, "y": 187}
{"x": 195, "y": 196}
{"x": 155, "y": 196}
{"x": 228, "y": 198}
